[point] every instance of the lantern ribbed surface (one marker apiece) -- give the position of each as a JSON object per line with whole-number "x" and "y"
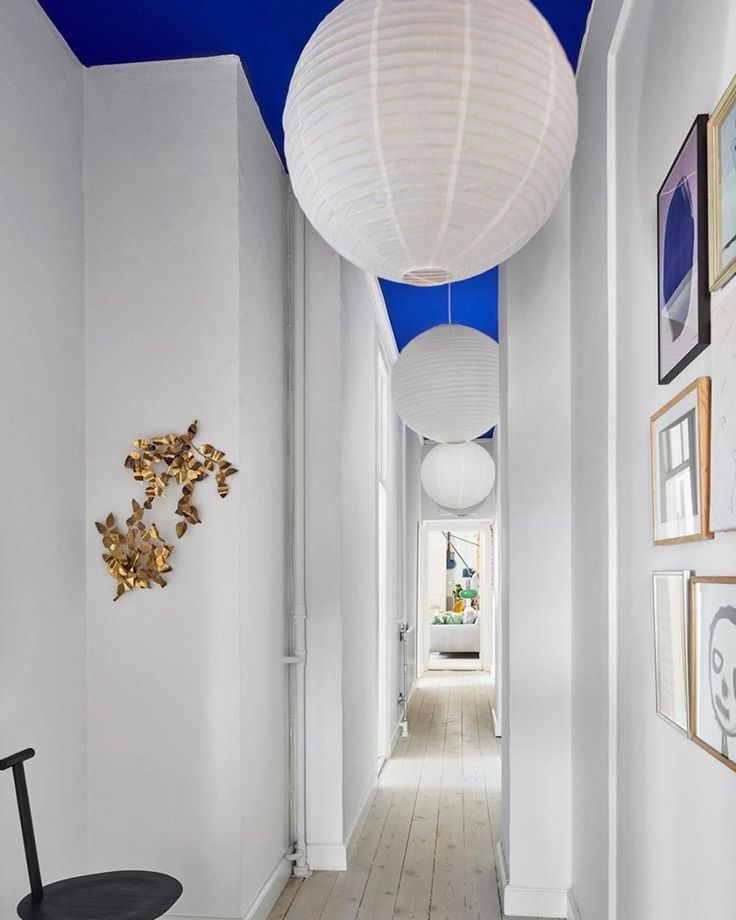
{"x": 445, "y": 383}
{"x": 428, "y": 140}
{"x": 458, "y": 476}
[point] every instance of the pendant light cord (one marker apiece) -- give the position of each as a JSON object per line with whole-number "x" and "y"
{"x": 449, "y": 303}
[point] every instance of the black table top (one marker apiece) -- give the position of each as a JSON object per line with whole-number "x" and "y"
{"x": 132, "y": 895}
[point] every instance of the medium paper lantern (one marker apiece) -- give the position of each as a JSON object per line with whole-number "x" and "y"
{"x": 458, "y": 476}
{"x": 445, "y": 384}
{"x": 428, "y": 140}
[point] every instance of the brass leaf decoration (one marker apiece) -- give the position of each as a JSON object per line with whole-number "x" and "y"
{"x": 138, "y": 557}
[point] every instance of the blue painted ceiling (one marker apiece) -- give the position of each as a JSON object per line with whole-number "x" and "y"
{"x": 268, "y": 36}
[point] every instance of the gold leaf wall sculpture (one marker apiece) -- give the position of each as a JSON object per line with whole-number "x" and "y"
{"x": 139, "y": 557}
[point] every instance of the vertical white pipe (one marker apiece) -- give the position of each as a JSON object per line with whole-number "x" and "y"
{"x": 298, "y": 656}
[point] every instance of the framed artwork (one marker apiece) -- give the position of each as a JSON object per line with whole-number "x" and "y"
{"x": 713, "y": 666}
{"x": 682, "y": 251}
{"x": 722, "y": 188}
{"x": 680, "y": 445}
{"x": 671, "y": 606}
{"x": 723, "y": 414}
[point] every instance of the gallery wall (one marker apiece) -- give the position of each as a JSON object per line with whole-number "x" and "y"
{"x": 676, "y": 848}
{"x": 536, "y": 541}
{"x": 42, "y": 620}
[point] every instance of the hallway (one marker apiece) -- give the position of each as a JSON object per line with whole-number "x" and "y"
{"x": 426, "y": 850}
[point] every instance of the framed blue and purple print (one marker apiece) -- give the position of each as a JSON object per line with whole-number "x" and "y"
{"x": 682, "y": 230}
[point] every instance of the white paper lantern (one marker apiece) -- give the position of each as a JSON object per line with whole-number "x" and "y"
{"x": 445, "y": 383}
{"x": 458, "y": 476}
{"x": 428, "y": 140}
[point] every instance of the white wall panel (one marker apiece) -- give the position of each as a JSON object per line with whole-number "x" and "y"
{"x": 42, "y": 620}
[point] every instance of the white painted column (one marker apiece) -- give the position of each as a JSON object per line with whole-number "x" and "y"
{"x": 536, "y": 625}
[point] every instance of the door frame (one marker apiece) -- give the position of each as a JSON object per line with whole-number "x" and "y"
{"x": 488, "y": 623}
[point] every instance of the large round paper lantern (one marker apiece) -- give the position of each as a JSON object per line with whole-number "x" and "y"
{"x": 428, "y": 140}
{"x": 458, "y": 476}
{"x": 445, "y": 383}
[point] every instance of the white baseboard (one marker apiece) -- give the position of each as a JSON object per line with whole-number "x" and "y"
{"x": 573, "y": 911}
{"x": 496, "y": 723}
{"x": 535, "y": 902}
{"x": 502, "y": 872}
{"x": 528, "y": 902}
{"x": 360, "y": 819}
{"x": 330, "y": 857}
{"x": 270, "y": 891}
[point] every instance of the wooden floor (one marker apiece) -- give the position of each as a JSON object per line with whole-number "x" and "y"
{"x": 426, "y": 850}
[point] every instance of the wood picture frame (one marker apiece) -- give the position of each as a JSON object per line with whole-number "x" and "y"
{"x": 683, "y": 292}
{"x": 671, "y": 607}
{"x": 713, "y": 646}
{"x": 722, "y": 189}
{"x": 680, "y": 460}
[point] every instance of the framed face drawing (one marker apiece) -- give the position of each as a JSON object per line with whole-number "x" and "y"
{"x": 682, "y": 249}
{"x": 713, "y": 667}
{"x": 671, "y": 609}
{"x": 722, "y": 188}
{"x": 680, "y": 434}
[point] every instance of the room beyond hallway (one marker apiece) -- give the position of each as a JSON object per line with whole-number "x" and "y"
{"x": 426, "y": 850}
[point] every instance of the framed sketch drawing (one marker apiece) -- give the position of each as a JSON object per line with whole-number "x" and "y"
{"x": 723, "y": 415}
{"x": 671, "y": 606}
{"x": 722, "y": 188}
{"x": 680, "y": 445}
{"x": 682, "y": 250}
{"x": 713, "y": 666}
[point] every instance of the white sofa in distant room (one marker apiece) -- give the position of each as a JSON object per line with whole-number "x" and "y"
{"x": 454, "y": 637}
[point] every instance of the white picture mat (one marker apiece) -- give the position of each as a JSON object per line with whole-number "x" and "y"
{"x": 671, "y": 646}
{"x": 723, "y": 414}
{"x": 708, "y": 599}
{"x": 691, "y": 523}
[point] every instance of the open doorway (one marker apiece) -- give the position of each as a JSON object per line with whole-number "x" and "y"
{"x": 456, "y": 615}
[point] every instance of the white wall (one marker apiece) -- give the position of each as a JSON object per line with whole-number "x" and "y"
{"x": 262, "y": 492}
{"x": 590, "y": 546}
{"x": 536, "y": 619}
{"x": 186, "y": 260}
{"x": 345, "y": 321}
{"x": 413, "y": 519}
{"x": 359, "y": 535}
{"x": 676, "y": 846}
{"x": 323, "y": 522}
{"x": 42, "y": 620}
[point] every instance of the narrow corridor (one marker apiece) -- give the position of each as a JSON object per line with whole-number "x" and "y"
{"x": 426, "y": 850}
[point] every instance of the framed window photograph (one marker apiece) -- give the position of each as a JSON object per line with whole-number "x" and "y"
{"x": 713, "y": 666}
{"x": 722, "y": 188}
{"x": 680, "y": 447}
{"x": 682, "y": 256}
{"x": 671, "y": 591}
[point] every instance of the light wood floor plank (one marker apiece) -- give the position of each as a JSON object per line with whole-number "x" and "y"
{"x": 425, "y": 851}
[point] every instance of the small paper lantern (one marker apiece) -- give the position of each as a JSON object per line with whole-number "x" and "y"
{"x": 428, "y": 140}
{"x": 445, "y": 383}
{"x": 458, "y": 476}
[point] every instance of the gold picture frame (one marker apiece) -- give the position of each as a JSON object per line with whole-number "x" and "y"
{"x": 713, "y": 720}
{"x": 680, "y": 457}
{"x": 723, "y": 118}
